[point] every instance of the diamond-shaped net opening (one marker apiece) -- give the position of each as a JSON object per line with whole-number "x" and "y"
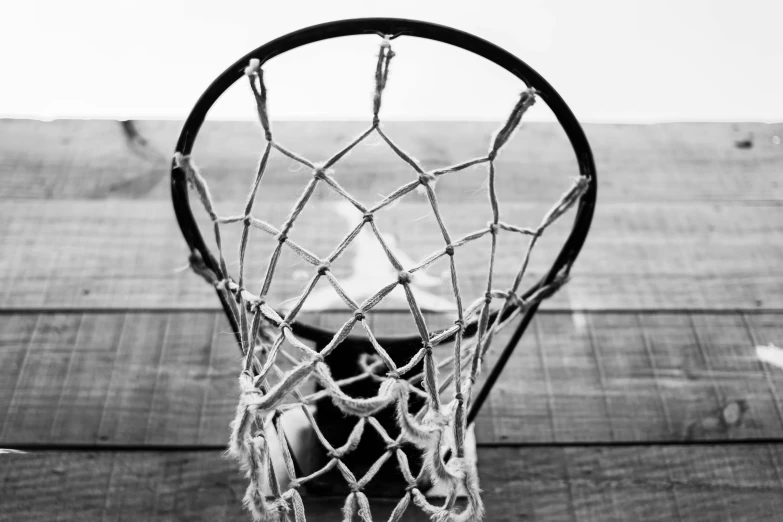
{"x": 277, "y": 364}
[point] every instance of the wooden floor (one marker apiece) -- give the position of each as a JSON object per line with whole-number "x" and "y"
{"x": 636, "y": 395}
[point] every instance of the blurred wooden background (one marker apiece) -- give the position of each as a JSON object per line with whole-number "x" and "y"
{"x": 637, "y": 394}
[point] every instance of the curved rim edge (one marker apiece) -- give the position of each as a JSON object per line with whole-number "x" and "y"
{"x": 394, "y": 27}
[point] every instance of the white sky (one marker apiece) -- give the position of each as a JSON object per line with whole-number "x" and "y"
{"x": 612, "y": 60}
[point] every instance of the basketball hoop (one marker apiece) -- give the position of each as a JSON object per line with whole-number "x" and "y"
{"x": 379, "y": 421}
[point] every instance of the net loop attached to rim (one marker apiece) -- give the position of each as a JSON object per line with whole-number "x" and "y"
{"x": 266, "y": 389}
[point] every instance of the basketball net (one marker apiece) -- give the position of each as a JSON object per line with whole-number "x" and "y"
{"x": 267, "y": 391}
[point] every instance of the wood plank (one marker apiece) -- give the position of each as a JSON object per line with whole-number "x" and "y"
{"x": 644, "y": 483}
{"x": 629, "y": 377}
{"x": 672, "y": 367}
{"x": 222, "y": 387}
{"x": 664, "y": 162}
{"x": 16, "y": 340}
{"x": 623, "y": 361}
{"x": 736, "y": 353}
{"x": 124, "y": 254}
{"x": 575, "y": 386}
{"x": 525, "y": 375}
{"x": 169, "y": 379}
{"x": 764, "y": 330}
{"x": 50, "y": 350}
{"x": 127, "y": 409}
{"x": 100, "y": 338}
{"x": 177, "y": 402}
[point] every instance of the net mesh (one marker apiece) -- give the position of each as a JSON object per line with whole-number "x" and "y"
{"x": 267, "y": 389}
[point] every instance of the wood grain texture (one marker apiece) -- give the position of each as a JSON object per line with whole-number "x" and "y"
{"x": 169, "y": 379}
{"x": 68, "y": 159}
{"x": 685, "y": 220}
{"x": 694, "y": 483}
{"x": 122, "y": 254}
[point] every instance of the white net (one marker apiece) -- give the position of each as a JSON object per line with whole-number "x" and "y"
{"x": 277, "y": 363}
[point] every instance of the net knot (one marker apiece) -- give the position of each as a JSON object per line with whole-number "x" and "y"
{"x": 428, "y": 347}
{"x": 493, "y": 228}
{"x": 319, "y": 173}
{"x": 393, "y": 446}
{"x": 355, "y": 487}
{"x": 252, "y": 67}
{"x": 515, "y": 299}
{"x": 282, "y": 237}
{"x": 460, "y": 324}
{"x": 180, "y": 160}
{"x": 488, "y": 297}
{"x": 294, "y": 484}
{"x": 324, "y": 267}
{"x": 450, "y": 250}
{"x": 492, "y": 154}
{"x": 427, "y": 178}
{"x": 279, "y": 505}
{"x": 336, "y": 454}
{"x": 246, "y": 384}
{"x": 358, "y": 314}
{"x": 386, "y": 42}
{"x": 283, "y": 325}
{"x": 393, "y": 374}
{"x": 404, "y": 277}
{"x": 251, "y": 391}
{"x": 459, "y": 397}
{"x": 368, "y": 217}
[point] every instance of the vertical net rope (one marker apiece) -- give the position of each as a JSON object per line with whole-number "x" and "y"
{"x": 267, "y": 390}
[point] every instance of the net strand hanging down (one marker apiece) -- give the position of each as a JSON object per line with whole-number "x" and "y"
{"x": 265, "y": 386}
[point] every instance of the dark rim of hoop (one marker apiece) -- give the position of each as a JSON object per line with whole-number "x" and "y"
{"x": 394, "y": 27}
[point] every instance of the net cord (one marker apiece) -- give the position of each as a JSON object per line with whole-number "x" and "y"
{"x": 427, "y": 428}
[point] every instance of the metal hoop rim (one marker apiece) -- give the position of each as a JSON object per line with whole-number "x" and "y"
{"x": 394, "y": 27}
